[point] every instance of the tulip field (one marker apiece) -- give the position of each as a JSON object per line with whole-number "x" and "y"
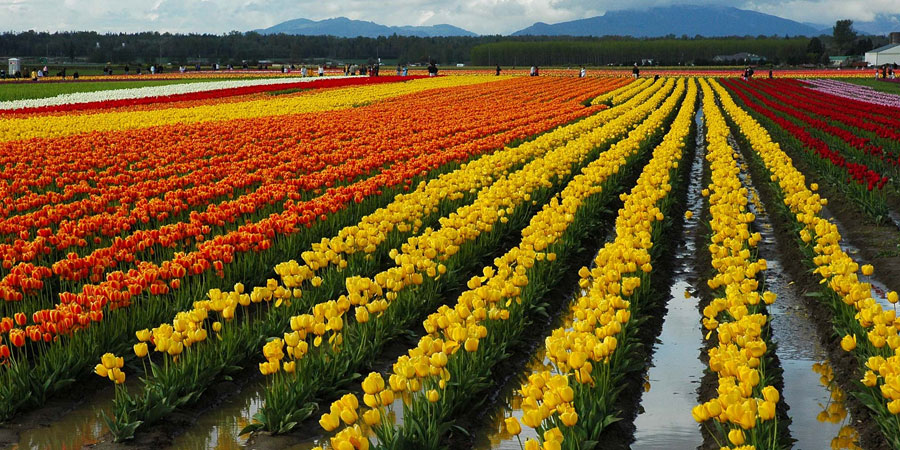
{"x": 691, "y": 260}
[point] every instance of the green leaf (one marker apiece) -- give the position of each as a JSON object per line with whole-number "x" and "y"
{"x": 251, "y": 428}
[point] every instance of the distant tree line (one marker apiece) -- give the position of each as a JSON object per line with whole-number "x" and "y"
{"x": 672, "y": 51}
{"x": 663, "y": 51}
{"x": 236, "y": 48}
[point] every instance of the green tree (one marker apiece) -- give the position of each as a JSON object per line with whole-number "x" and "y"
{"x": 844, "y": 35}
{"x": 814, "y": 50}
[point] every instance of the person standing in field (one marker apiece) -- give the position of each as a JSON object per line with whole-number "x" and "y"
{"x": 405, "y": 71}
{"x": 34, "y": 76}
{"x": 531, "y": 72}
{"x": 635, "y": 72}
{"x": 498, "y": 70}
{"x": 583, "y": 73}
{"x": 321, "y": 70}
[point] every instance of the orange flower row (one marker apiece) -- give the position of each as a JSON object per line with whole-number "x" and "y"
{"x": 476, "y": 119}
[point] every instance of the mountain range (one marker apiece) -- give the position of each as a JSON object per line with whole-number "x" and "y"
{"x": 344, "y": 27}
{"x": 678, "y": 20}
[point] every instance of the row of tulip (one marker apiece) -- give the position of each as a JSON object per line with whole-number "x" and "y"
{"x": 828, "y": 121}
{"x": 448, "y": 378}
{"x": 508, "y": 293}
{"x": 851, "y": 114}
{"x": 860, "y": 183}
{"x": 343, "y": 207}
{"x": 618, "y": 96}
{"x": 855, "y": 92}
{"x": 175, "y": 75}
{"x": 373, "y": 237}
{"x": 869, "y": 330}
{"x": 94, "y": 172}
{"x": 162, "y": 97}
{"x": 745, "y": 406}
{"x": 319, "y": 164}
{"x": 571, "y": 405}
{"x": 842, "y": 133}
{"x": 405, "y": 214}
{"x": 651, "y": 72}
{"x": 429, "y": 253}
{"x": 15, "y": 128}
{"x": 159, "y": 93}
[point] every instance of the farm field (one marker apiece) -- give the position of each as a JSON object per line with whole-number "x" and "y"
{"x": 692, "y": 261}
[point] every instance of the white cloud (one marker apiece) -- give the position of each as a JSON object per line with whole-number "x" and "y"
{"x": 480, "y": 16}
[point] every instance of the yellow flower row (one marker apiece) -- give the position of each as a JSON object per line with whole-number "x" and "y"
{"x": 580, "y": 348}
{"x": 623, "y": 93}
{"x": 836, "y": 268}
{"x": 737, "y": 358}
{"x": 404, "y": 214}
{"x": 54, "y": 126}
{"x": 461, "y": 327}
{"x": 424, "y": 255}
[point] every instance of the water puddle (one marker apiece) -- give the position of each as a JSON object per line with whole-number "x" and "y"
{"x": 664, "y": 420}
{"x": 220, "y": 427}
{"x": 818, "y": 418}
{"x": 75, "y": 429}
{"x": 509, "y": 403}
{"x": 879, "y": 289}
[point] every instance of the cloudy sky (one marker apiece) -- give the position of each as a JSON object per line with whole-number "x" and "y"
{"x": 480, "y": 16}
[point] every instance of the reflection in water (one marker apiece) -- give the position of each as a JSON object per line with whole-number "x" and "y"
{"x": 816, "y": 411}
{"x": 220, "y": 428}
{"x": 833, "y": 411}
{"x": 675, "y": 376}
{"x": 509, "y": 404}
{"x": 75, "y": 429}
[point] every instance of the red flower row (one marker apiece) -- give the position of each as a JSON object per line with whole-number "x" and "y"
{"x": 860, "y": 173}
{"x": 78, "y": 309}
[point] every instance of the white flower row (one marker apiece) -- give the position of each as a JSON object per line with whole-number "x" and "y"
{"x": 149, "y": 91}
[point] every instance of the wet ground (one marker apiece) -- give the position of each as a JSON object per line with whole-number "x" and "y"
{"x": 798, "y": 347}
{"x": 664, "y": 420}
{"x": 819, "y": 419}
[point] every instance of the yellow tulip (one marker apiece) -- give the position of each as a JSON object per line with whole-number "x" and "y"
{"x": 848, "y": 343}
{"x": 867, "y": 270}
{"x": 140, "y": 350}
{"x": 329, "y": 421}
{"x": 373, "y": 383}
{"x": 109, "y": 361}
{"x": 736, "y": 436}
{"x": 771, "y": 394}
{"x": 101, "y": 370}
{"x": 569, "y": 418}
{"x": 143, "y": 335}
{"x": 371, "y": 417}
{"x": 512, "y": 426}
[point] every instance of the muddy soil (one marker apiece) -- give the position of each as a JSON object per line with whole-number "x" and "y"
{"x": 664, "y": 419}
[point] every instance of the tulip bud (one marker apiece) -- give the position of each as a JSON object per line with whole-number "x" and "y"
{"x": 848, "y": 343}
{"x": 512, "y": 426}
